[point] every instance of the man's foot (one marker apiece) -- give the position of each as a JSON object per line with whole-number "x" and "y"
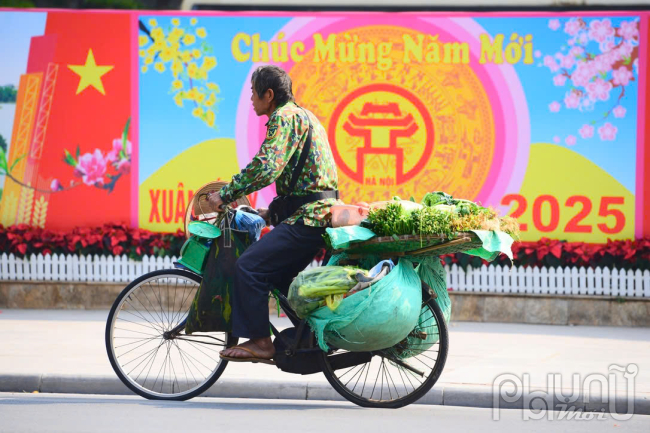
{"x": 254, "y": 350}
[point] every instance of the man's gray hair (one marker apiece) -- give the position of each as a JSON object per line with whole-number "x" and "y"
{"x": 274, "y": 78}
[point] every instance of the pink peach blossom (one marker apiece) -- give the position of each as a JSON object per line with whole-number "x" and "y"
{"x": 625, "y": 50}
{"x": 56, "y": 185}
{"x": 600, "y": 30}
{"x": 583, "y": 38}
{"x": 570, "y": 140}
{"x": 587, "y": 131}
{"x": 124, "y": 166}
{"x": 553, "y": 24}
{"x": 602, "y": 63}
{"x": 567, "y": 61}
{"x": 622, "y": 76}
{"x": 557, "y": 139}
{"x": 599, "y": 89}
{"x": 571, "y": 41}
{"x": 537, "y": 54}
{"x": 93, "y": 167}
{"x": 559, "y": 80}
{"x": 114, "y": 154}
{"x": 628, "y": 30}
{"x": 607, "y": 132}
{"x": 619, "y": 111}
{"x": 554, "y": 106}
{"x": 549, "y": 62}
{"x": 636, "y": 66}
{"x": 572, "y": 27}
{"x": 572, "y": 100}
{"x": 583, "y": 73}
{"x": 576, "y": 51}
{"x": 606, "y": 45}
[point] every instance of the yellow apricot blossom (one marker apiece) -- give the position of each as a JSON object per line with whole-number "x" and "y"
{"x": 142, "y": 53}
{"x": 153, "y": 22}
{"x": 193, "y": 21}
{"x": 199, "y": 96}
{"x": 148, "y": 60}
{"x": 193, "y": 70}
{"x": 143, "y": 40}
{"x": 211, "y": 100}
{"x": 196, "y": 53}
{"x": 200, "y": 32}
{"x": 186, "y": 56}
{"x": 189, "y": 39}
{"x": 151, "y": 50}
{"x": 160, "y": 67}
{"x": 177, "y": 84}
{"x": 209, "y": 118}
{"x": 144, "y": 69}
{"x": 178, "y": 99}
{"x": 209, "y": 62}
{"x": 176, "y": 22}
{"x": 167, "y": 54}
{"x": 177, "y": 68}
{"x": 198, "y": 111}
{"x": 213, "y": 86}
{"x": 157, "y": 34}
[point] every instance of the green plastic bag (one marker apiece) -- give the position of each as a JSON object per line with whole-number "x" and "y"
{"x": 375, "y": 318}
{"x": 210, "y": 310}
{"x": 341, "y": 237}
{"x": 316, "y": 287}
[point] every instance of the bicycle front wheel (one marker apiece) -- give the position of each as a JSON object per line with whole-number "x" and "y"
{"x": 147, "y": 345}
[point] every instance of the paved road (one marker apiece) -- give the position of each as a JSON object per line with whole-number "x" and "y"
{"x": 44, "y": 413}
{"x": 72, "y": 342}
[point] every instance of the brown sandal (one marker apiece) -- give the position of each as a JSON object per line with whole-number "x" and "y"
{"x": 254, "y": 359}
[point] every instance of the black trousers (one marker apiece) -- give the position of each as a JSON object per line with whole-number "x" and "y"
{"x": 272, "y": 262}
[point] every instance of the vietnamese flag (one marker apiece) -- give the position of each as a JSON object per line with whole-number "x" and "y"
{"x": 79, "y": 161}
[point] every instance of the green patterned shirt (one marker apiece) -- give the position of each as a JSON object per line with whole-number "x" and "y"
{"x": 286, "y": 135}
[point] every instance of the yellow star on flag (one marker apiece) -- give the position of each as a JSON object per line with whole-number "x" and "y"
{"x": 90, "y": 73}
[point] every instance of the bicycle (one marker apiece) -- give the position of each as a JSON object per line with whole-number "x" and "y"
{"x": 149, "y": 315}
{"x": 148, "y": 319}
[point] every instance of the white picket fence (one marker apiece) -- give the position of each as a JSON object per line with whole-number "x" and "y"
{"x": 550, "y": 281}
{"x": 488, "y": 279}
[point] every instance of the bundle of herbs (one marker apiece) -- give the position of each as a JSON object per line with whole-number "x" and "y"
{"x": 441, "y": 214}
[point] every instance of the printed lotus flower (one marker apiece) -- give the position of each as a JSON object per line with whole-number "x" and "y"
{"x": 93, "y": 167}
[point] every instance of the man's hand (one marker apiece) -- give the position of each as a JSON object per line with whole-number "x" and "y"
{"x": 264, "y": 213}
{"x": 215, "y": 201}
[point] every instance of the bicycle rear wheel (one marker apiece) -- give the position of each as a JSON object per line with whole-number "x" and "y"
{"x": 397, "y": 376}
{"x": 147, "y": 345}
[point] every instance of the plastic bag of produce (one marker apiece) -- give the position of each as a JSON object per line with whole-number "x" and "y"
{"x": 375, "y": 318}
{"x": 325, "y": 285}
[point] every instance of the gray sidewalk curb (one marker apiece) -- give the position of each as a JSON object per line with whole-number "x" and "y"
{"x": 447, "y": 394}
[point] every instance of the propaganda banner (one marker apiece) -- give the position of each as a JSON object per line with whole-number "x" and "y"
{"x": 539, "y": 115}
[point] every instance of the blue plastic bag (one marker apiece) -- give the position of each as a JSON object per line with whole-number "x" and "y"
{"x": 249, "y": 222}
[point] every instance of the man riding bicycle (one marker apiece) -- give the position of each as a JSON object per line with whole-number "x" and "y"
{"x": 275, "y": 260}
